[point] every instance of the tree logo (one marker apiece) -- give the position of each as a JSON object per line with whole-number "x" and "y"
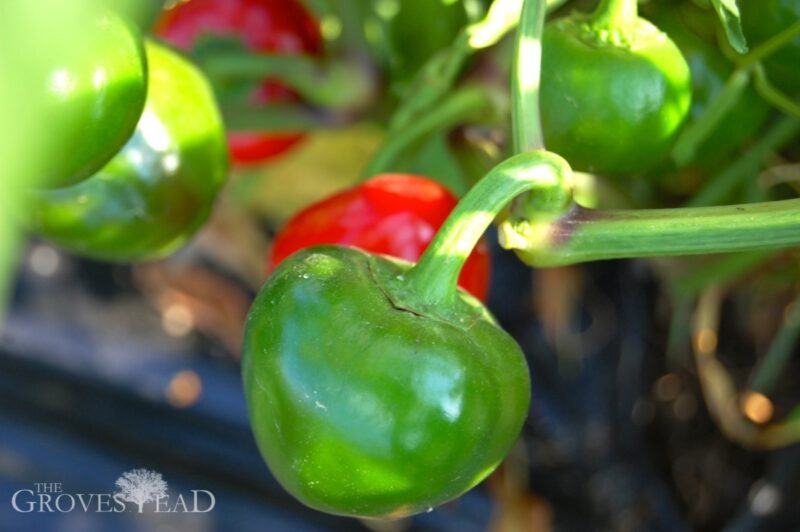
{"x": 141, "y": 486}
{"x": 138, "y": 486}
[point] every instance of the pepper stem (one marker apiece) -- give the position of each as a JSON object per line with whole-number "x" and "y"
{"x": 615, "y": 14}
{"x": 770, "y": 368}
{"x": 332, "y": 84}
{"x": 526, "y": 117}
{"x": 467, "y": 104}
{"x": 434, "y": 279}
{"x": 585, "y": 235}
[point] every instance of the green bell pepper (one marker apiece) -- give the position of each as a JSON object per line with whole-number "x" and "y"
{"x": 156, "y": 193}
{"x": 365, "y": 405}
{"x": 377, "y": 389}
{"x": 614, "y": 90}
{"x": 80, "y": 69}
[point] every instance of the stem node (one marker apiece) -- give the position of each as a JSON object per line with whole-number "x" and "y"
{"x": 548, "y": 179}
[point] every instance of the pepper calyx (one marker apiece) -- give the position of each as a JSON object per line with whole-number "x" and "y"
{"x": 388, "y": 273}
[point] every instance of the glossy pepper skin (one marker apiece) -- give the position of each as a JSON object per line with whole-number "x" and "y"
{"x": 762, "y": 19}
{"x": 270, "y": 26}
{"x": 89, "y": 80}
{"x": 390, "y": 214}
{"x": 159, "y": 189}
{"x": 611, "y": 104}
{"x": 365, "y": 404}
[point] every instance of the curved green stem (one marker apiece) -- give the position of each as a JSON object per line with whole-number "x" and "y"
{"x": 330, "y": 84}
{"x": 284, "y": 117}
{"x": 439, "y": 74}
{"x": 769, "y": 47}
{"x": 432, "y": 83}
{"x": 769, "y": 369}
{"x": 526, "y": 116}
{"x": 722, "y": 272}
{"x": 546, "y": 175}
{"x": 780, "y": 352}
{"x": 587, "y": 235}
{"x": 745, "y": 166}
{"x": 766, "y": 374}
{"x": 692, "y": 138}
{"x": 469, "y": 103}
{"x": 777, "y": 98}
{"x": 619, "y": 14}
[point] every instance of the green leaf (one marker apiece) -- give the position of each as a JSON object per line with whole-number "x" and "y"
{"x": 728, "y": 13}
{"x": 436, "y": 161}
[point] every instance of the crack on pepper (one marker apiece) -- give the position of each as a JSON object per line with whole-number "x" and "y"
{"x": 462, "y": 325}
{"x": 388, "y": 296}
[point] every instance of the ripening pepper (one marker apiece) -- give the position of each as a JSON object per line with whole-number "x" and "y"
{"x": 390, "y": 214}
{"x": 265, "y": 26}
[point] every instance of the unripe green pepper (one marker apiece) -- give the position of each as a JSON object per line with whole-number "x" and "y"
{"x": 81, "y": 68}
{"x": 366, "y": 406}
{"x": 378, "y": 389}
{"x": 763, "y": 19}
{"x": 159, "y": 189}
{"x": 614, "y": 90}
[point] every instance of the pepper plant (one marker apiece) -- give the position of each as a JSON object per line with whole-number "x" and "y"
{"x": 326, "y": 413}
{"x": 376, "y": 386}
